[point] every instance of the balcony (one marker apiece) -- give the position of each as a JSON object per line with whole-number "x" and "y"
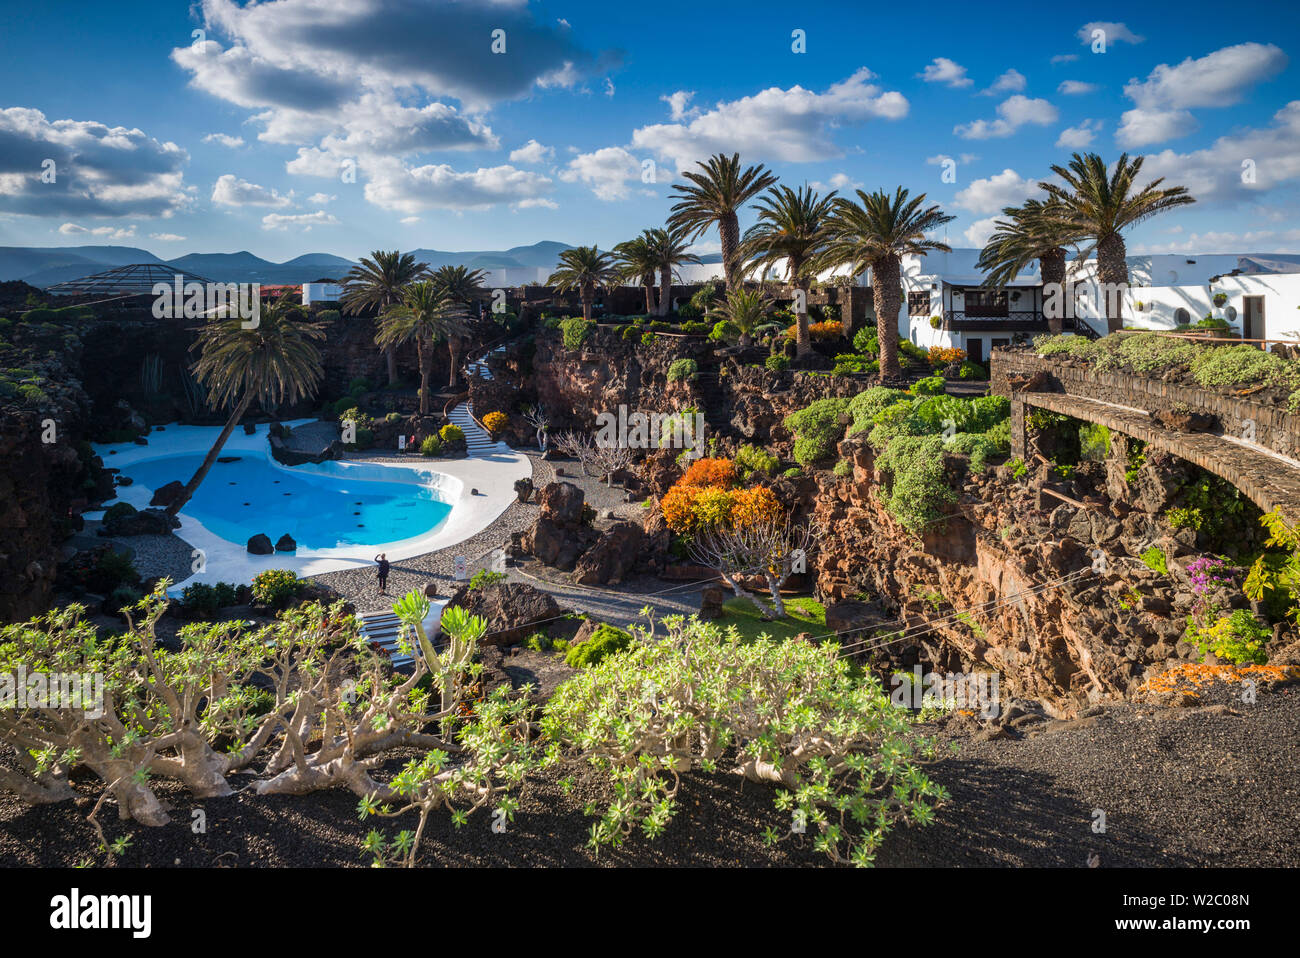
{"x": 1014, "y": 321}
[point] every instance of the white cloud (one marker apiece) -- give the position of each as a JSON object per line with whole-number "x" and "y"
{"x": 607, "y": 171}
{"x": 945, "y": 71}
{"x": 978, "y": 233}
{"x": 408, "y": 220}
{"x": 839, "y": 181}
{"x": 532, "y": 153}
{"x": 1013, "y": 81}
{"x": 609, "y": 87}
{"x": 1163, "y": 100}
{"x": 393, "y": 185}
{"x": 1076, "y": 87}
{"x": 321, "y": 199}
{"x": 793, "y": 125}
{"x": 1014, "y": 112}
{"x": 940, "y": 159}
{"x": 1213, "y": 241}
{"x": 1065, "y": 58}
{"x": 679, "y": 104}
{"x": 1273, "y": 155}
{"x": 99, "y": 170}
{"x": 111, "y": 233}
{"x": 230, "y": 190}
{"x": 167, "y": 237}
{"x": 224, "y": 139}
{"x": 538, "y": 202}
{"x": 1114, "y": 33}
{"x": 1078, "y": 137}
{"x": 282, "y": 221}
{"x": 991, "y": 194}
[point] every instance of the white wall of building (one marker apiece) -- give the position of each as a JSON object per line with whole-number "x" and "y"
{"x": 321, "y": 293}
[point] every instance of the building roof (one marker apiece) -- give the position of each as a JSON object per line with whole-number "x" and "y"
{"x": 136, "y": 279}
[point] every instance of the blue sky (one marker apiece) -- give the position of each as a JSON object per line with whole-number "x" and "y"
{"x": 244, "y": 137}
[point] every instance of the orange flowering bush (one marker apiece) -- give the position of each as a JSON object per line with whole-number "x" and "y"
{"x": 943, "y": 355}
{"x": 688, "y": 509}
{"x": 711, "y": 472}
{"x": 833, "y": 329}
{"x": 494, "y": 422}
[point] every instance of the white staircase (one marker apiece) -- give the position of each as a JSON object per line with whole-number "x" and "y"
{"x": 382, "y": 629}
{"x": 476, "y": 437}
{"x": 479, "y": 367}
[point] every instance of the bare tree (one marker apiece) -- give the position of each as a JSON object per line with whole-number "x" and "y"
{"x": 536, "y": 417}
{"x": 770, "y": 548}
{"x": 577, "y": 445}
{"x": 610, "y": 459}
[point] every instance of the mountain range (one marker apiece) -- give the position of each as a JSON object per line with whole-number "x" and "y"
{"x": 44, "y": 266}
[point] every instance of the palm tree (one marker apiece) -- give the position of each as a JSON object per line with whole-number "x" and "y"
{"x": 465, "y": 287}
{"x": 426, "y": 314}
{"x": 1102, "y": 205}
{"x": 377, "y": 283}
{"x": 744, "y": 309}
{"x": 670, "y": 251}
{"x": 720, "y": 189}
{"x": 584, "y": 268}
{"x": 1035, "y": 231}
{"x": 876, "y": 233}
{"x": 275, "y": 362}
{"x": 637, "y": 260}
{"x": 793, "y": 226}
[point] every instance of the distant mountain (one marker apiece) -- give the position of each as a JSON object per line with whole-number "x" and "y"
{"x": 328, "y": 260}
{"x": 47, "y": 265}
{"x": 543, "y": 255}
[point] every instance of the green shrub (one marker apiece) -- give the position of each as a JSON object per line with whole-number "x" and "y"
{"x": 975, "y": 445}
{"x": 848, "y": 364}
{"x": 751, "y": 459}
{"x": 1154, "y": 558}
{"x": 701, "y": 691}
{"x": 431, "y": 446}
{"x": 485, "y": 577}
{"x": 866, "y": 405}
{"x": 630, "y": 333}
{"x": 972, "y": 370}
{"x": 682, "y": 369}
{"x": 792, "y": 472}
{"x": 865, "y": 341}
{"x": 697, "y": 328}
{"x": 1094, "y": 442}
{"x": 119, "y": 510}
{"x": 777, "y": 363}
{"x": 1239, "y": 638}
{"x": 918, "y": 490}
{"x": 575, "y": 332}
{"x": 452, "y": 433}
{"x": 274, "y": 588}
{"x": 724, "y": 331}
{"x": 647, "y": 338}
{"x": 929, "y": 386}
{"x": 1227, "y": 366}
{"x": 604, "y": 642}
{"x": 817, "y": 429}
{"x": 843, "y": 469}
{"x": 538, "y": 642}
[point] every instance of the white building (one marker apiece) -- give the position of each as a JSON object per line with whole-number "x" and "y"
{"x": 321, "y": 293}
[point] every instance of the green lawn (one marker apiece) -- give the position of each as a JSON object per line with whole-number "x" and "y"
{"x": 803, "y": 614}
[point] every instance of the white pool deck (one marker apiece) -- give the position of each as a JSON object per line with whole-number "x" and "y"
{"x": 492, "y": 472}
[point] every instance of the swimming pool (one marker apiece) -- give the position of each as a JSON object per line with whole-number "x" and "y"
{"x": 320, "y": 510}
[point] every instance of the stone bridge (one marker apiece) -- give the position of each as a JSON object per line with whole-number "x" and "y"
{"x": 1255, "y": 445}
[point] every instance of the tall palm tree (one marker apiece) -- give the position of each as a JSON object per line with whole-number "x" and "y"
{"x": 275, "y": 362}
{"x": 636, "y": 260}
{"x": 876, "y": 233}
{"x": 1035, "y": 231}
{"x": 720, "y": 188}
{"x": 584, "y": 268}
{"x": 427, "y": 314}
{"x": 376, "y": 283}
{"x": 465, "y": 287}
{"x": 793, "y": 227}
{"x": 1102, "y": 205}
{"x": 745, "y": 309}
{"x": 670, "y": 250}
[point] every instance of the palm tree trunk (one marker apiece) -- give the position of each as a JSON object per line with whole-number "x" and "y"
{"x": 729, "y": 235}
{"x": 390, "y": 356}
{"x": 453, "y": 350}
{"x": 425, "y": 355}
{"x": 1051, "y": 270}
{"x": 803, "y": 338}
{"x": 665, "y": 290}
{"x": 1112, "y": 271}
{"x": 587, "y": 296}
{"x": 649, "y": 282}
{"x": 215, "y": 451}
{"x": 886, "y": 295}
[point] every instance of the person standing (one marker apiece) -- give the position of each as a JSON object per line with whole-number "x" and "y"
{"x": 382, "y": 559}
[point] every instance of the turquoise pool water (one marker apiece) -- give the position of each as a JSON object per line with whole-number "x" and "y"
{"x": 239, "y": 499}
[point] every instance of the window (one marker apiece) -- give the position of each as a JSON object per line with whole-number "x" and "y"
{"x": 918, "y": 304}
{"x": 986, "y": 302}
{"x": 1182, "y": 317}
